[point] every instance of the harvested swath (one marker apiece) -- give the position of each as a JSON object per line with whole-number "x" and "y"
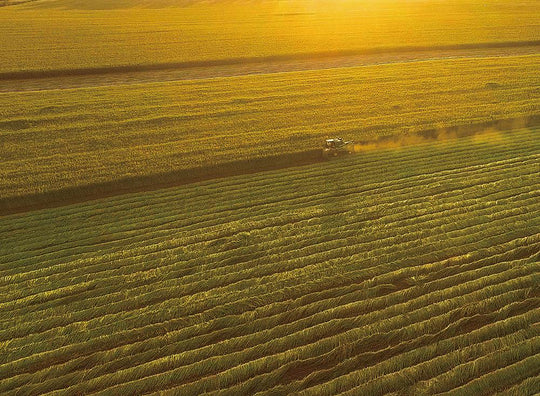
{"x": 528, "y": 387}
{"x": 173, "y": 274}
{"x": 424, "y": 278}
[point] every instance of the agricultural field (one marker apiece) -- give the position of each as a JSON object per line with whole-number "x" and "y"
{"x": 81, "y": 34}
{"x": 170, "y": 226}
{"x": 65, "y": 138}
{"x": 410, "y": 270}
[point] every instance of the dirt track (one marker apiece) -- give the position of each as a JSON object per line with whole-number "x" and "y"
{"x": 65, "y": 79}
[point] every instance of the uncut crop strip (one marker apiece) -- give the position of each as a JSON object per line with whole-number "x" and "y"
{"x": 67, "y": 138}
{"x": 287, "y": 295}
{"x": 71, "y": 35}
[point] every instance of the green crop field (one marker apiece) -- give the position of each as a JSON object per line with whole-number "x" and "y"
{"x": 410, "y": 270}
{"x": 63, "y": 138}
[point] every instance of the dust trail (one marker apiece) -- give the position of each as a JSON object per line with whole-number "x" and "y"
{"x": 399, "y": 141}
{"x": 481, "y": 133}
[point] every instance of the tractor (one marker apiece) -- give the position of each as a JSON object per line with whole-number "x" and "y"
{"x": 336, "y": 147}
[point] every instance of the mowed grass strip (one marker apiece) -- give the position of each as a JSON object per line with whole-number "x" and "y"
{"x": 54, "y": 140}
{"x": 50, "y": 321}
{"x": 224, "y": 254}
{"x": 294, "y": 294}
{"x": 67, "y": 34}
{"x": 372, "y": 192}
{"x": 231, "y": 271}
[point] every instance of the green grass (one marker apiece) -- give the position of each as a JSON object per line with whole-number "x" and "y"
{"x": 71, "y": 34}
{"x": 66, "y": 138}
{"x": 407, "y": 270}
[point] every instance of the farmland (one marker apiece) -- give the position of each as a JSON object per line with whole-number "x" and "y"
{"x": 81, "y": 34}
{"x": 168, "y": 224}
{"x": 56, "y": 139}
{"x": 411, "y": 270}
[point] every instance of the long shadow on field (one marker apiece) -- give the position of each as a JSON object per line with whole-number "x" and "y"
{"x": 89, "y": 192}
{"x": 34, "y": 74}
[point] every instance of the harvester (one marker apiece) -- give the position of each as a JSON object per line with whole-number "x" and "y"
{"x": 336, "y": 147}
